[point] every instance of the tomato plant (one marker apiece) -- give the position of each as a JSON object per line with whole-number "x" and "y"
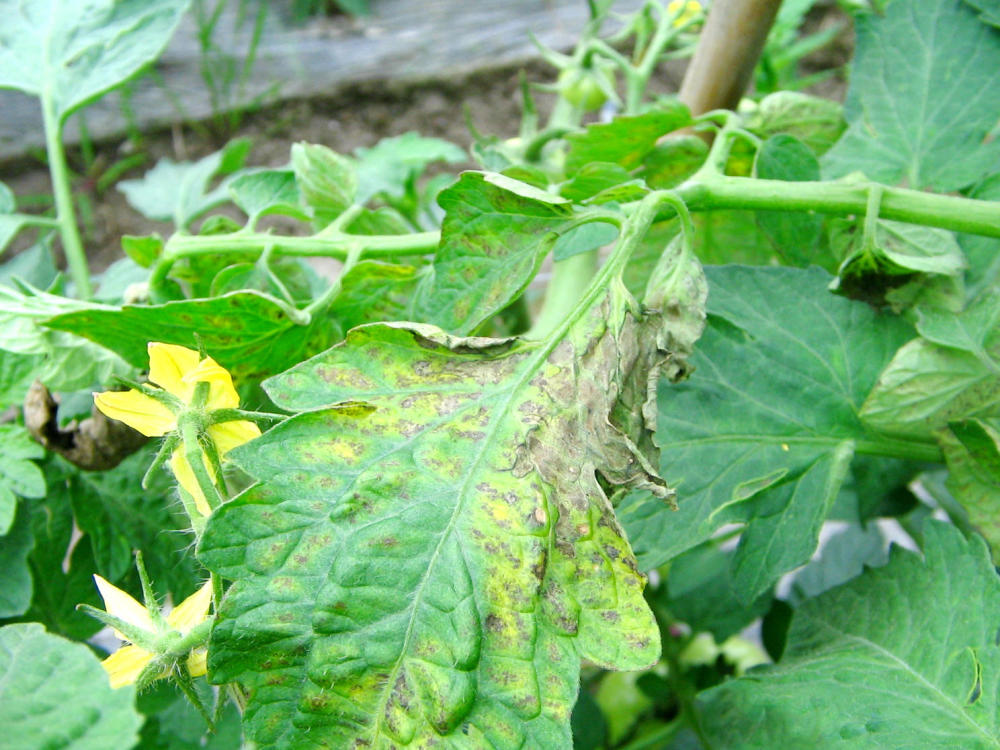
{"x": 403, "y": 505}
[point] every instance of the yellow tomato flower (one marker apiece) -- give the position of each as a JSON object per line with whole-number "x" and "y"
{"x": 177, "y": 370}
{"x": 126, "y": 664}
{"x": 685, "y": 10}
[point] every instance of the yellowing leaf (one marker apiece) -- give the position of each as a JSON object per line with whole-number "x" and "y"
{"x": 428, "y": 558}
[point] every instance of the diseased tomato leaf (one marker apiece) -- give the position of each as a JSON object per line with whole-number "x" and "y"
{"x": 432, "y": 547}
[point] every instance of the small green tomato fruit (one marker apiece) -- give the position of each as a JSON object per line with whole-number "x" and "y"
{"x": 585, "y": 87}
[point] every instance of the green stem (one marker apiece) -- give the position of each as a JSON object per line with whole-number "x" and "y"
{"x": 570, "y": 278}
{"x": 899, "y": 204}
{"x": 30, "y": 220}
{"x": 633, "y": 230}
{"x": 374, "y": 246}
{"x": 76, "y": 257}
{"x": 195, "y": 458}
{"x": 322, "y": 302}
{"x": 638, "y": 80}
{"x": 871, "y": 216}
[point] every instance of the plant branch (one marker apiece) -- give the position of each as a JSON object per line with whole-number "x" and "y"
{"x": 31, "y": 220}
{"x": 335, "y": 246}
{"x": 843, "y": 198}
{"x": 76, "y": 257}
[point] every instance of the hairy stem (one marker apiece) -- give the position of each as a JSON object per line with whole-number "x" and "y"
{"x": 76, "y": 257}
{"x": 912, "y": 206}
{"x": 335, "y": 246}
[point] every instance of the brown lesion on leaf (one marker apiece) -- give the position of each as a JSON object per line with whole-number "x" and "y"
{"x": 493, "y": 623}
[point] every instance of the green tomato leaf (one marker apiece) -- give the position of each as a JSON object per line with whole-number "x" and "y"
{"x": 495, "y": 235}
{"x": 843, "y": 556}
{"x": 927, "y": 385}
{"x": 626, "y": 139}
{"x": 732, "y": 237}
{"x": 15, "y": 574}
{"x": 55, "y": 693}
{"x": 982, "y": 253}
{"x": 428, "y": 559}
{"x": 180, "y": 191}
{"x": 898, "y": 255}
{"x": 673, "y": 160}
{"x": 283, "y": 278}
{"x": 249, "y": 333}
{"x": 699, "y": 591}
{"x": 763, "y": 432}
{"x": 62, "y": 567}
{"x": 35, "y": 266}
{"x": 29, "y": 352}
{"x": 393, "y": 163}
{"x": 70, "y": 53}
{"x": 117, "y": 516}
{"x": 18, "y": 475}
{"x": 815, "y": 121}
{"x": 328, "y": 181}
{"x": 269, "y": 191}
{"x": 143, "y": 250}
{"x": 988, "y": 11}
{"x": 372, "y": 291}
{"x": 592, "y": 179}
{"x": 976, "y": 329}
{"x": 903, "y": 656}
{"x": 10, "y": 222}
{"x": 921, "y": 118}
{"x": 972, "y": 451}
{"x": 794, "y": 234}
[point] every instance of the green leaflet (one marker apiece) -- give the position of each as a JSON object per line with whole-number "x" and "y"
{"x": 795, "y": 235}
{"x": 903, "y": 656}
{"x": 249, "y": 333}
{"x": 18, "y": 474}
{"x": 180, "y": 191}
{"x": 393, "y": 164}
{"x": 10, "y": 221}
{"x": 429, "y": 553}
{"x": 493, "y": 239}
{"x": 54, "y": 693}
{"x": 265, "y": 192}
{"x": 117, "y": 516}
{"x": 373, "y": 291}
{"x": 626, "y": 139}
{"x": 879, "y": 268}
{"x": 70, "y": 53}
{"x": 763, "y": 432}
{"x": 328, "y": 181}
{"x": 29, "y": 352}
{"x": 699, "y": 591}
{"x": 62, "y": 572}
{"x": 921, "y": 118}
{"x": 972, "y": 450}
{"x": 842, "y": 557}
{"x": 951, "y": 373}
{"x": 15, "y": 575}
{"x": 817, "y": 122}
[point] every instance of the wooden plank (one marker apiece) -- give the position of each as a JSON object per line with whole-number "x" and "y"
{"x": 403, "y": 40}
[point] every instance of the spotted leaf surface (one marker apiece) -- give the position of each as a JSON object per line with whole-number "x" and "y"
{"x": 432, "y": 548}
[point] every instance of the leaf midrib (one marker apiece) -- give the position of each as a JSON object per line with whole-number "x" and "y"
{"x": 522, "y": 375}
